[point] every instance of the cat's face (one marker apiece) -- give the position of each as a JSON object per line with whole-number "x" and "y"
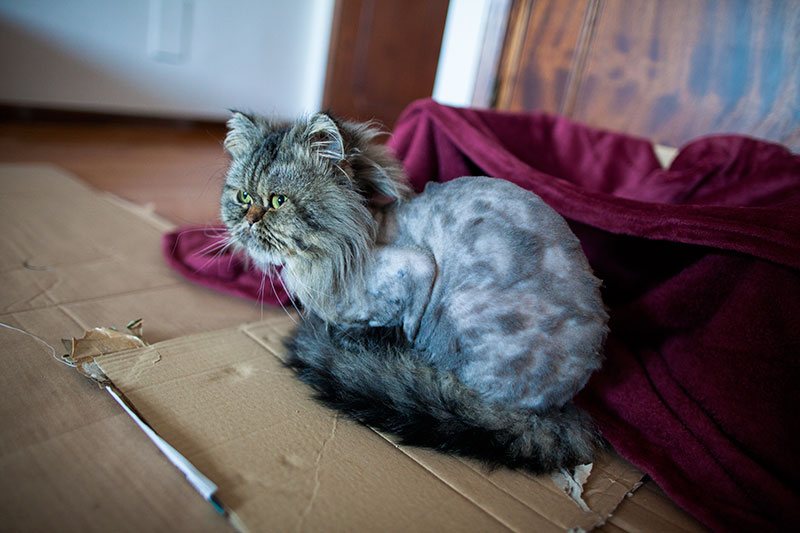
{"x": 288, "y": 193}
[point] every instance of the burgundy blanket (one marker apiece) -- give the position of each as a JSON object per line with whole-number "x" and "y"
{"x": 701, "y": 270}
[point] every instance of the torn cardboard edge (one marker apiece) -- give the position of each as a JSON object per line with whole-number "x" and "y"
{"x": 101, "y": 341}
{"x": 108, "y": 340}
{"x": 572, "y": 483}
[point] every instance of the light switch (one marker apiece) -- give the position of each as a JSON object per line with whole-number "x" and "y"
{"x": 169, "y": 30}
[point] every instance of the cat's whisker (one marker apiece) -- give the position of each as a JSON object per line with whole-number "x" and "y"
{"x": 218, "y": 248}
{"x": 261, "y": 292}
{"x": 225, "y": 251}
{"x": 330, "y": 154}
{"x": 213, "y": 247}
{"x": 216, "y": 256}
{"x": 346, "y": 175}
{"x": 204, "y": 229}
{"x": 208, "y": 231}
{"x": 231, "y": 257}
{"x": 221, "y": 238}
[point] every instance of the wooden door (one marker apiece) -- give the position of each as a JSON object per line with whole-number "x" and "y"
{"x": 669, "y": 70}
{"x": 383, "y": 56}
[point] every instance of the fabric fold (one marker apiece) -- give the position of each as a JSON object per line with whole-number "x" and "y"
{"x": 201, "y": 255}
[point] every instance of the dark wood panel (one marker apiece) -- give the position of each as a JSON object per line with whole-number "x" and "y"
{"x": 540, "y": 49}
{"x": 383, "y": 56}
{"x": 676, "y": 70}
{"x": 670, "y": 70}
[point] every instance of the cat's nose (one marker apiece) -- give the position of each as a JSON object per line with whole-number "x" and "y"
{"x": 254, "y": 213}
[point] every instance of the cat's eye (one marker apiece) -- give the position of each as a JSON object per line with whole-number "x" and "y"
{"x": 244, "y": 198}
{"x": 276, "y": 201}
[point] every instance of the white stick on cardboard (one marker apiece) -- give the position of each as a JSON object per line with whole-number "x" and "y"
{"x": 201, "y": 483}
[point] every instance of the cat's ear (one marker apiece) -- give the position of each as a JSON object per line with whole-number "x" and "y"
{"x": 242, "y": 133}
{"x": 325, "y": 137}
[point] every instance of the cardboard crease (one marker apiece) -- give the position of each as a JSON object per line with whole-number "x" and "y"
{"x": 317, "y": 469}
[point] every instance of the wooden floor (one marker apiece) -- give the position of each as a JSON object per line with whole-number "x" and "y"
{"x": 179, "y": 170}
{"x": 178, "y": 167}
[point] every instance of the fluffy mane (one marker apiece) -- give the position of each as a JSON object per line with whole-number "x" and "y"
{"x": 338, "y": 177}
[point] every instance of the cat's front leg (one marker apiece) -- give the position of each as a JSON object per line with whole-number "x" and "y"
{"x": 398, "y": 289}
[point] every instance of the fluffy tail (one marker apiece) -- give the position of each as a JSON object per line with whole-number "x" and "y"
{"x": 378, "y": 382}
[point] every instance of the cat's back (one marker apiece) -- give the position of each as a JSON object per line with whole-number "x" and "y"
{"x": 515, "y": 310}
{"x": 488, "y": 217}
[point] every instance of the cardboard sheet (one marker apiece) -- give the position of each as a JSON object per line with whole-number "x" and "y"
{"x": 283, "y": 462}
{"x": 70, "y": 459}
{"x": 211, "y": 383}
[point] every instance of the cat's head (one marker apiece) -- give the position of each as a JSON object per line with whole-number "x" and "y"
{"x": 302, "y": 190}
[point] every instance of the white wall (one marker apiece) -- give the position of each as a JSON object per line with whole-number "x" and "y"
{"x": 471, "y": 47}
{"x": 261, "y": 55}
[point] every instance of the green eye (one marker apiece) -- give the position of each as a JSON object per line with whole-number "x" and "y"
{"x": 243, "y": 198}
{"x": 276, "y": 201}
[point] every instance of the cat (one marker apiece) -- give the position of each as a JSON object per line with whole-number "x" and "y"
{"x": 464, "y": 318}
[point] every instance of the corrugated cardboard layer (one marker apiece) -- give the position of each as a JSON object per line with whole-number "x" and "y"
{"x": 282, "y": 461}
{"x": 651, "y": 507}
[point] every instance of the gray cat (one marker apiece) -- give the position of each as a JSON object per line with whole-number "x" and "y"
{"x": 465, "y": 318}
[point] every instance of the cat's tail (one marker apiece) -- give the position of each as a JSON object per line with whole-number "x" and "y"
{"x": 392, "y": 389}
